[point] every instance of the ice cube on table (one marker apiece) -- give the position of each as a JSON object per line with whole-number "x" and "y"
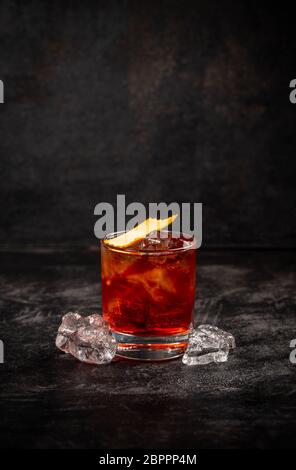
{"x": 95, "y": 320}
{"x": 93, "y": 345}
{"x": 208, "y": 344}
{"x": 216, "y": 332}
{"x": 89, "y": 339}
{"x": 70, "y": 324}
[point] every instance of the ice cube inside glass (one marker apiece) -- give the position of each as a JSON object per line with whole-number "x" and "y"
{"x": 148, "y": 294}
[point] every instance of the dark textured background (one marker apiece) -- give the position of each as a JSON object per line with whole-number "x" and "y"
{"x": 162, "y": 101}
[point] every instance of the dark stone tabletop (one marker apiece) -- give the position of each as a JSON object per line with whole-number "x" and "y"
{"x": 50, "y": 400}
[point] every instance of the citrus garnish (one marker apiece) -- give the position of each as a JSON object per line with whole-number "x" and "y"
{"x": 140, "y": 232}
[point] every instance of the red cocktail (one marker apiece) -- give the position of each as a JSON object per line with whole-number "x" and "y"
{"x": 148, "y": 294}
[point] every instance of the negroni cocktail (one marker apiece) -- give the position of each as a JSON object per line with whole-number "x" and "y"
{"x": 148, "y": 293}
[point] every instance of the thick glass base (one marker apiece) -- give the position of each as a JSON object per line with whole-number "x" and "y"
{"x": 150, "y": 348}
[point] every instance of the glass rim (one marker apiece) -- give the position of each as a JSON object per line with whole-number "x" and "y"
{"x": 192, "y": 245}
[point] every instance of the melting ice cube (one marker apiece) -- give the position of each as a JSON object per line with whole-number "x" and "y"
{"x": 208, "y": 344}
{"x": 89, "y": 339}
{"x": 70, "y": 324}
{"x": 93, "y": 345}
{"x": 216, "y": 332}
